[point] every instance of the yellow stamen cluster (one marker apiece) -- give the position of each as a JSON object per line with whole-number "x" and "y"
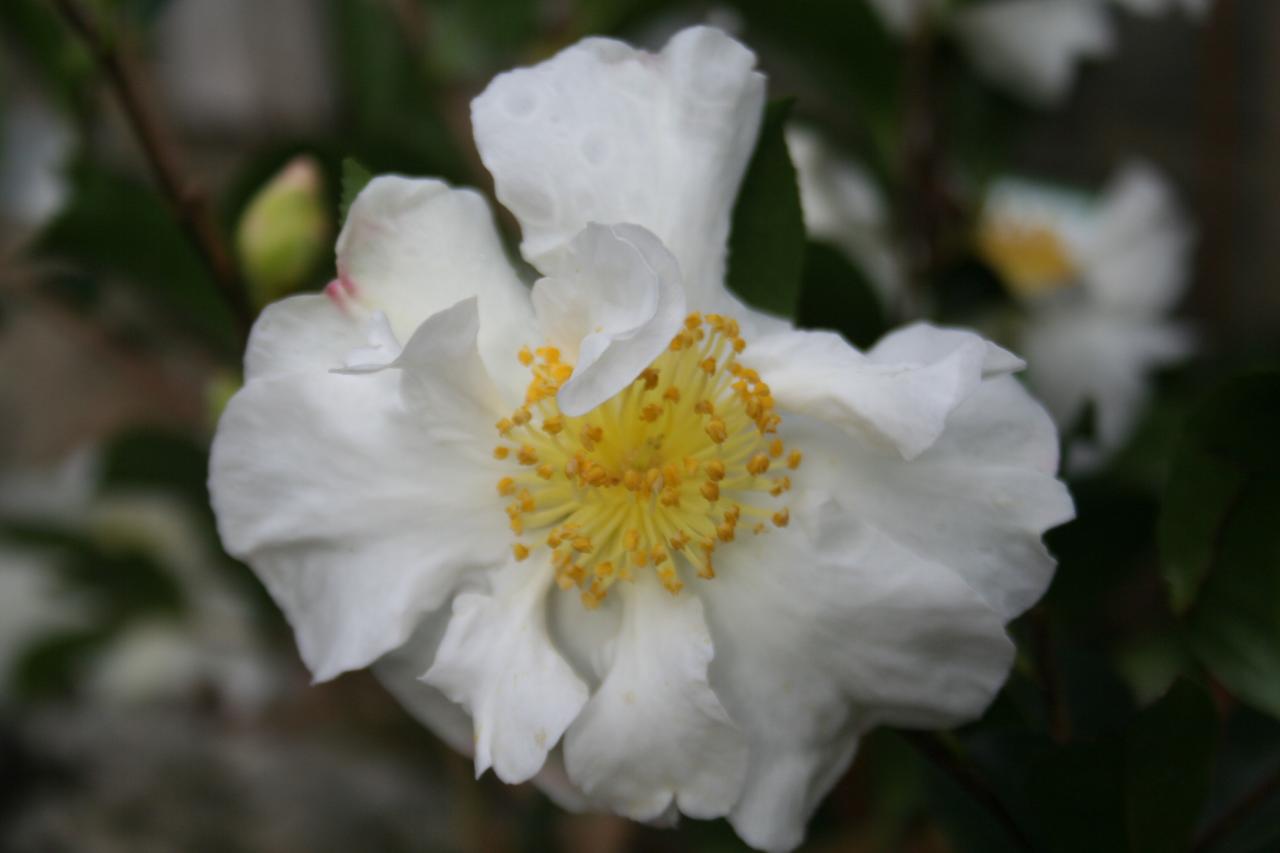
{"x": 656, "y": 477}
{"x": 1032, "y": 259}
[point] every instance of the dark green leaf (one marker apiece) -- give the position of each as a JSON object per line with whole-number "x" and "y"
{"x": 1219, "y": 537}
{"x": 1078, "y": 795}
{"x": 354, "y": 178}
{"x": 156, "y": 460}
{"x": 767, "y": 243}
{"x": 1169, "y": 757}
{"x": 835, "y": 295}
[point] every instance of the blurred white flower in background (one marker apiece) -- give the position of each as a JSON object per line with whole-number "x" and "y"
{"x": 35, "y": 142}
{"x": 213, "y": 643}
{"x": 1097, "y": 279}
{"x": 1031, "y": 48}
{"x": 844, "y": 206}
{"x": 572, "y": 526}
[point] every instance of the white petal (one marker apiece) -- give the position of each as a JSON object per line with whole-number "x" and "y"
{"x": 830, "y": 626}
{"x": 1080, "y": 352}
{"x": 843, "y": 206}
{"x": 612, "y": 307}
{"x": 977, "y": 501}
{"x": 901, "y": 17}
{"x": 401, "y": 673}
{"x": 606, "y": 133}
{"x": 497, "y": 661}
{"x": 340, "y": 492}
{"x": 897, "y": 395}
{"x": 1137, "y": 253}
{"x": 654, "y": 734}
{"x": 412, "y": 247}
{"x": 1031, "y": 47}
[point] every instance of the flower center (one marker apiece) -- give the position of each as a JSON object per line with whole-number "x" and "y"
{"x": 655, "y": 478}
{"x": 1032, "y": 258}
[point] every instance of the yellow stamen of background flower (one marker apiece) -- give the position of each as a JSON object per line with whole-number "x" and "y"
{"x": 1031, "y": 258}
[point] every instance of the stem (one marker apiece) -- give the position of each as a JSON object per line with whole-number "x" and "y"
{"x": 945, "y": 759}
{"x": 1234, "y": 816}
{"x": 188, "y": 203}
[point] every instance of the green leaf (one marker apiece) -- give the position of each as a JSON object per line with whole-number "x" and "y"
{"x": 355, "y": 177}
{"x": 1078, "y": 794}
{"x": 767, "y": 243}
{"x": 836, "y": 295}
{"x": 1220, "y": 541}
{"x": 1169, "y": 758}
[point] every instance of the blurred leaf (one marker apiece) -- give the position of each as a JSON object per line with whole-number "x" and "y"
{"x": 1078, "y": 794}
{"x": 354, "y": 178}
{"x": 49, "y": 666}
{"x": 34, "y": 30}
{"x": 767, "y": 241}
{"x": 835, "y": 295}
{"x": 157, "y": 460}
{"x": 1169, "y": 756}
{"x": 116, "y": 226}
{"x": 1219, "y": 537}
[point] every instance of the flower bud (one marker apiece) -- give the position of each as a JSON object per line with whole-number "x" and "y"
{"x": 284, "y": 231}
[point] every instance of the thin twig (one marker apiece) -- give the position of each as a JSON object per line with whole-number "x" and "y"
{"x": 1234, "y": 816}
{"x": 937, "y": 752}
{"x": 189, "y": 204}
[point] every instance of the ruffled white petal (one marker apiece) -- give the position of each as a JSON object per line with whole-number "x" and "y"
{"x": 496, "y": 660}
{"x": 1136, "y": 255}
{"x": 606, "y": 133}
{"x": 977, "y": 502}
{"x": 654, "y": 735}
{"x": 898, "y": 395}
{"x": 412, "y": 247}
{"x": 830, "y": 626}
{"x": 338, "y": 490}
{"x": 612, "y": 306}
{"x": 1031, "y": 47}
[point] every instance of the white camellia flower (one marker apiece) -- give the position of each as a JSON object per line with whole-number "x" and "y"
{"x": 1097, "y": 279}
{"x": 843, "y": 206}
{"x": 1032, "y": 47}
{"x": 622, "y": 535}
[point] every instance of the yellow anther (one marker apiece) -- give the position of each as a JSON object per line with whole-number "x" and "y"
{"x": 732, "y": 514}
{"x": 526, "y": 455}
{"x": 793, "y": 461}
{"x": 724, "y": 532}
{"x": 546, "y": 471}
{"x": 633, "y": 480}
{"x": 525, "y": 355}
{"x": 708, "y": 365}
{"x": 710, "y": 491}
{"x": 504, "y": 426}
{"x": 660, "y": 555}
{"x": 717, "y": 430}
{"x": 595, "y": 433}
{"x": 592, "y": 599}
{"x": 671, "y": 474}
{"x": 715, "y": 470}
{"x": 517, "y": 525}
{"x": 553, "y": 425}
{"x": 780, "y": 485}
{"x": 669, "y": 497}
{"x": 758, "y": 464}
{"x": 691, "y": 465}
{"x": 651, "y": 412}
{"x": 549, "y": 355}
{"x": 564, "y": 581}
{"x": 693, "y": 321}
{"x": 631, "y": 539}
{"x": 519, "y": 551}
{"x": 650, "y": 378}
{"x": 506, "y": 486}
{"x": 640, "y": 558}
{"x": 597, "y": 475}
{"x": 672, "y": 394}
{"x": 581, "y": 544}
{"x": 604, "y": 570}
{"x": 739, "y": 344}
{"x": 553, "y": 540}
{"x": 526, "y": 501}
{"x": 782, "y": 517}
{"x": 776, "y": 448}
{"x": 758, "y": 528}
{"x": 704, "y": 407}
{"x": 672, "y": 584}
{"x": 501, "y": 452}
{"x": 707, "y": 571}
{"x": 521, "y": 416}
{"x": 561, "y": 373}
{"x": 750, "y": 375}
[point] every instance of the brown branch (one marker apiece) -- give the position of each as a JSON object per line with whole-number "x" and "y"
{"x": 189, "y": 204}
{"x": 941, "y": 756}
{"x": 1234, "y": 816}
